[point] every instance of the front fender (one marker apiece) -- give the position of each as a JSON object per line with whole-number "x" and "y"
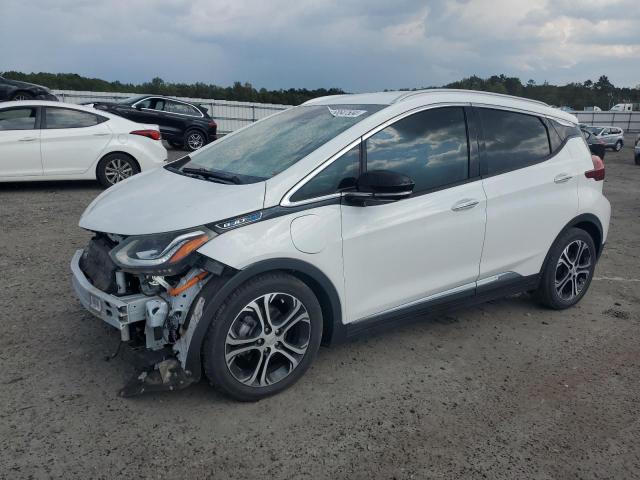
{"x": 216, "y": 291}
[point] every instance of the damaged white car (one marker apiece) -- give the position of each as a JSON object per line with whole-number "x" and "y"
{"x": 343, "y": 215}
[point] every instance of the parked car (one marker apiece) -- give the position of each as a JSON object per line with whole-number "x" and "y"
{"x": 613, "y": 137}
{"x": 625, "y": 107}
{"x": 183, "y": 125}
{"x": 346, "y": 214}
{"x": 596, "y": 145}
{"x": 42, "y": 140}
{"x": 11, "y": 90}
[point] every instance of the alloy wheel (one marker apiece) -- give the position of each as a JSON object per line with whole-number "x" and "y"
{"x": 573, "y": 270}
{"x": 195, "y": 140}
{"x": 117, "y": 170}
{"x": 267, "y": 340}
{"x": 21, "y": 96}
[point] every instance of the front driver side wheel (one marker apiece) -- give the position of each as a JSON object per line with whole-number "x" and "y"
{"x": 263, "y": 338}
{"x": 568, "y": 271}
{"x": 618, "y": 146}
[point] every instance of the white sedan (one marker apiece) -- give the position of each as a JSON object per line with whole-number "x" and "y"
{"x": 42, "y": 140}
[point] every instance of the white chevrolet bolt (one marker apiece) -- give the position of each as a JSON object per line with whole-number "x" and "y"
{"x": 41, "y": 140}
{"x": 346, "y": 214}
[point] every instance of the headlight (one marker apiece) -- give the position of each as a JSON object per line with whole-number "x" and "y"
{"x": 163, "y": 253}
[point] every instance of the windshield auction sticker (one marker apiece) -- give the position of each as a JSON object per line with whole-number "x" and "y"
{"x": 346, "y": 113}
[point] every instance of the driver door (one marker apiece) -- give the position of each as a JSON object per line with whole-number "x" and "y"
{"x": 429, "y": 245}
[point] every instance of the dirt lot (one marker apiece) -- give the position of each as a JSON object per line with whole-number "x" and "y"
{"x": 505, "y": 390}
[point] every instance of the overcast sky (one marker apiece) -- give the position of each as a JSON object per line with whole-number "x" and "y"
{"x": 359, "y": 45}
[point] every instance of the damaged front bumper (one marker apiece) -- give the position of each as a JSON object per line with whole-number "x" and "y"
{"x": 165, "y": 365}
{"x": 119, "y": 312}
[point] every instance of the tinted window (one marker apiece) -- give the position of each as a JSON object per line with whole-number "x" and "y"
{"x": 565, "y": 131}
{"x": 272, "y": 145}
{"x": 18, "y": 119}
{"x": 341, "y": 174}
{"x": 67, "y": 118}
{"x": 512, "y": 140}
{"x": 183, "y": 108}
{"x": 430, "y": 147}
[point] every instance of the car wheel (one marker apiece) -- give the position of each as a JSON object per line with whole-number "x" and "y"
{"x": 115, "y": 167}
{"x": 637, "y": 159}
{"x": 568, "y": 271}
{"x": 194, "y": 139}
{"x": 618, "y": 146}
{"x": 263, "y": 338}
{"x": 22, "y": 96}
{"x": 177, "y": 145}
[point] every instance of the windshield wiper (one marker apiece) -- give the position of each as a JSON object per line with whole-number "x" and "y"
{"x": 210, "y": 175}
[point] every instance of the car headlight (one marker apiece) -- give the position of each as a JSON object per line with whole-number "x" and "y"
{"x": 164, "y": 253}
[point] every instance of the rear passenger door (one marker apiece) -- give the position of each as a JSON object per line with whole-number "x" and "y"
{"x": 530, "y": 179}
{"x": 20, "y": 142}
{"x": 72, "y": 140}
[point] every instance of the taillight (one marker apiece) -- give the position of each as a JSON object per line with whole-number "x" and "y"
{"x": 598, "y": 169}
{"x": 152, "y": 134}
{"x": 212, "y": 124}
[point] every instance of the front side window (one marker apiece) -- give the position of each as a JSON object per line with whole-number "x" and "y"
{"x": 18, "y": 119}
{"x": 339, "y": 175}
{"x": 272, "y": 145}
{"x": 68, "y": 118}
{"x": 512, "y": 140}
{"x": 430, "y": 147}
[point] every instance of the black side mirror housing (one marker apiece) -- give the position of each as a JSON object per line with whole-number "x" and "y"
{"x": 380, "y": 186}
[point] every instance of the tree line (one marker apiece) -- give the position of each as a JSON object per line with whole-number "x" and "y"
{"x": 578, "y": 95}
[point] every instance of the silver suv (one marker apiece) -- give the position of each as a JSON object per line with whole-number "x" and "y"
{"x": 612, "y": 137}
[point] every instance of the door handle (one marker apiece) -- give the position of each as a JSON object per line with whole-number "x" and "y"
{"x": 562, "y": 178}
{"x": 464, "y": 205}
{"x": 28, "y": 139}
{"x": 100, "y": 134}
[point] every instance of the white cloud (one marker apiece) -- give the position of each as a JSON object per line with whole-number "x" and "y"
{"x": 357, "y": 44}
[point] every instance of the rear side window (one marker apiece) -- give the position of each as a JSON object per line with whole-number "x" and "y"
{"x": 512, "y": 140}
{"x": 181, "y": 108}
{"x": 18, "y": 119}
{"x": 68, "y": 118}
{"x": 340, "y": 175}
{"x": 430, "y": 147}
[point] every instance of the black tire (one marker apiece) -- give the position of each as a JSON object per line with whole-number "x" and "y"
{"x": 125, "y": 166}
{"x": 556, "y": 295}
{"x": 216, "y": 349}
{"x": 21, "y": 96}
{"x": 637, "y": 159}
{"x": 618, "y": 146}
{"x": 178, "y": 145}
{"x": 194, "y": 139}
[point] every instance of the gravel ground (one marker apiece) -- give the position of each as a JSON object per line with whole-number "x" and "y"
{"x": 504, "y": 390}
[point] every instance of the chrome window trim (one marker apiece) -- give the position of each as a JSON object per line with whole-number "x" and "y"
{"x": 164, "y": 111}
{"x": 286, "y": 200}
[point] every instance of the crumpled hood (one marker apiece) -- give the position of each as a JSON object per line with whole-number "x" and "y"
{"x": 161, "y": 201}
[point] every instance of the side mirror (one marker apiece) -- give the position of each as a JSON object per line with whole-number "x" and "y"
{"x": 380, "y": 186}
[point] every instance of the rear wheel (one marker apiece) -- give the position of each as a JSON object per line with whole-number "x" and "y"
{"x": 637, "y": 159}
{"x": 618, "y": 146}
{"x": 115, "y": 167}
{"x": 569, "y": 270}
{"x": 263, "y": 338}
{"x": 22, "y": 96}
{"x": 194, "y": 139}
